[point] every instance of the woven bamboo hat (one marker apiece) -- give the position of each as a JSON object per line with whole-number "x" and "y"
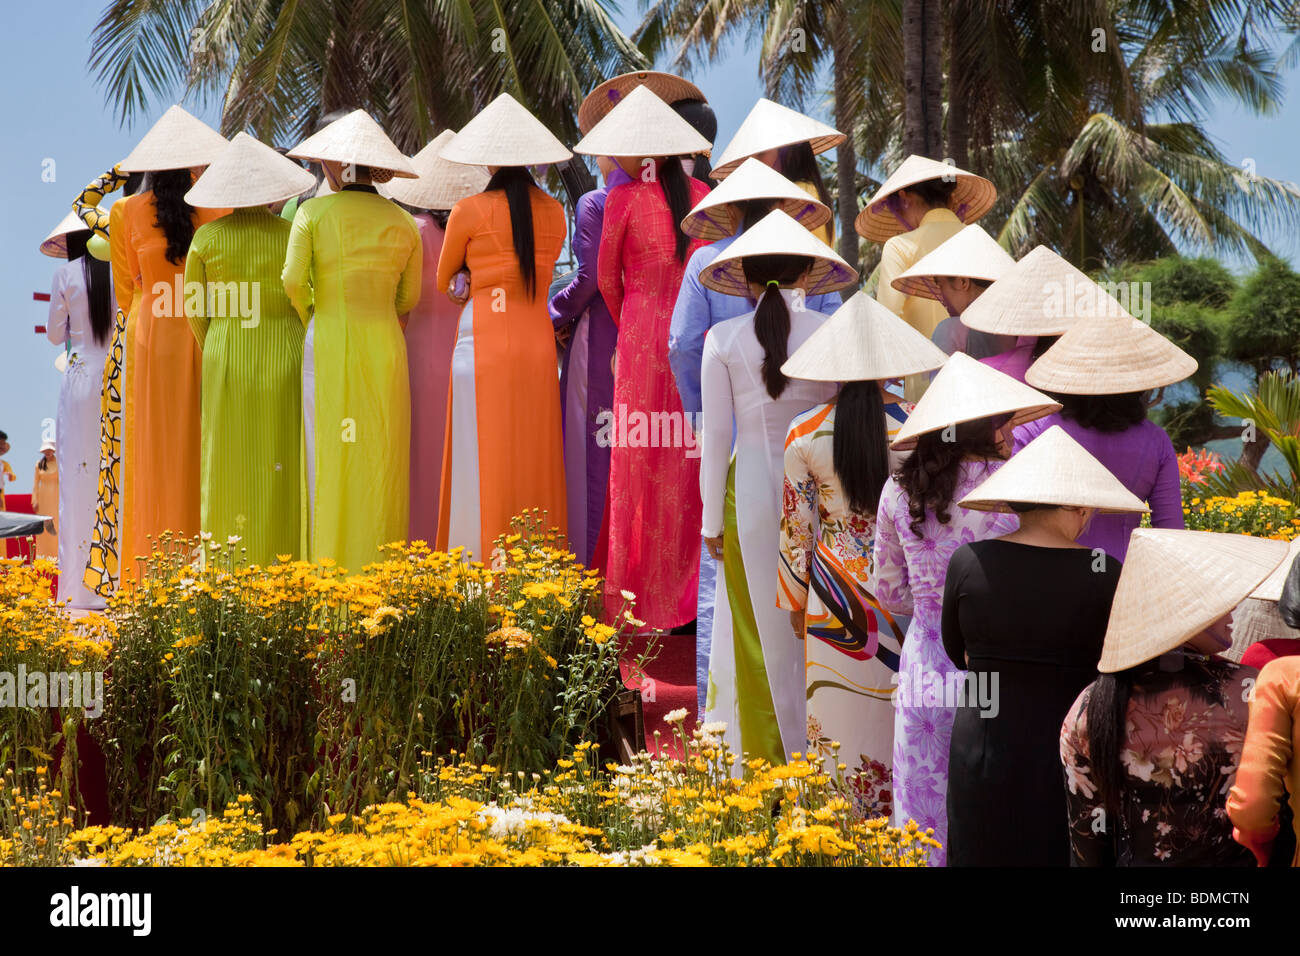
{"x": 1176, "y": 583}
{"x": 440, "y": 184}
{"x": 1257, "y": 618}
{"x": 504, "y": 133}
{"x": 56, "y": 243}
{"x": 177, "y": 141}
{"x": 862, "y": 341}
{"x": 669, "y": 88}
{"x": 965, "y": 390}
{"x": 1042, "y": 294}
{"x": 778, "y": 234}
{"x": 248, "y": 173}
{"x": 972, "y": 253}
{"x": 1054, "y": 469}
{"x": 1108, "y": 355}
{"x": 770, "y": 126}
{"x": 642, "y": 125}
{"x": 718, "y": 214}
{"x": 973, "y": 197}
{"x": 356, "y": 139}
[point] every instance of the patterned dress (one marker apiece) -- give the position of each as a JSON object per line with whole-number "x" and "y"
{"x": 654, "y": 501}
{"x": 1185, "y": 731}
{"x": 851, "y": 645}
{"x": 910, "y": 573}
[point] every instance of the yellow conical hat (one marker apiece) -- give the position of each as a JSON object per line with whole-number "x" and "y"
{"x": 778, "y": 234}
{"x": 972, "y": 253}
{"x": 248, "y": 173}
{"x": 965, "y": 390}
{"x": 504, "y": 133}
{"x": 862, "y": 341}
{"x": 609, "y": 94}
{"x": 973, "y": 197}
{"x": 441, "y": 184}
{"x": 1174, "y": 584}
{"x": 56, "y": 243}
{"x": 1108, "y": 355}
{"x": 355, "y": 139}
{"x": 1054, "y": 469}
{"x": 177, "y": 141}
{"x": 770, "y": 126}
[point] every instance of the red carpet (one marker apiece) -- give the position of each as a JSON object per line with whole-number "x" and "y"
{"x": 668, "y": 684}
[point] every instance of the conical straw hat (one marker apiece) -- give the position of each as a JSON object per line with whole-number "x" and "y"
{"x": 56, "y": 243}
{"x": 1108, "y": 355}
{"x": 770, "y": 126}
{"x": 1270, "y": 589}
{"x": 1054, "y": 469}
{"x": 973, "y": 197}
{"x": 248, "y": 173}
{"x": 965, "y": 390}
{"x": 718, "y": 214}
{"x": 778, "y": 234}
{"x": 441, "y": 184}
{"x": 1176, "y": 583}
{"x": 177, "y": 141}
{"x": 862, "y": 341}
{"x": 505, "y": 134}
{"x": 356, "y": 139}
{"x": 669, "y": 88}
{"x": 972, "y": 253}
{"x": 642, "y": 125}
{"x": 1042, "y": 294}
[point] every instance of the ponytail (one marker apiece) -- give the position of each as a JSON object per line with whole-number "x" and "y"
{"x": 860, "y": 445}
{"x": 1107, "y": 720}
{"x": 518, "y": 185}
{"x": 677, "y": 191}
{"x": 772, "y": 317}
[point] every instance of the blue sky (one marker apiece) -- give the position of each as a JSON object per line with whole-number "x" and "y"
{"x": 54, "y": 110}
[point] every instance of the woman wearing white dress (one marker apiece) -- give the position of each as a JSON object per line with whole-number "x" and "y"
{"x": 756, "y": 681}
{"x": 81, "y": 319}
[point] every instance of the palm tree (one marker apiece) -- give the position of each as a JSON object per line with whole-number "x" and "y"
{"x": 1272, "y": 413}
{"x": 418, "y": 65}
{"x": 1087, "y": 113}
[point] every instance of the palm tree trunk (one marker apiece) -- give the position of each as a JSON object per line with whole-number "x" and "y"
{"x": 846, "y": 160}
{"x": 958, "y": 133}
{"x": 922, "y": 78}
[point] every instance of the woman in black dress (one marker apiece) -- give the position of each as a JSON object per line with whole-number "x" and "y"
{"x": 1026, "y": 615}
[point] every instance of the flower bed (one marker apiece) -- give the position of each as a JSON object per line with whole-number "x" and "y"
{"x": 693, "y": 812}
{"x": 310, "y": 691}
{"x": 1250, "y": 512}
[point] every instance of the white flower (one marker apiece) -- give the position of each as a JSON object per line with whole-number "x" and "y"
{"x": 673, "y": 716}
{"x": 234, "y": 539}
{"x": 715, "y": 727}
{"x": 628, "y": 595}
{"x": 206, "y": 535}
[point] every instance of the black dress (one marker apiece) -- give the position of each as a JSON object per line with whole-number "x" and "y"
{"x": 1032, "y": 621}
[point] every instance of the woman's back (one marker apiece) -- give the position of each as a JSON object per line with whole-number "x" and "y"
{"x": 1178, "y": 759}
{"x": 483, "y": 223}
{"x": 360, "y": 244}
{"x": 70, "y": 297}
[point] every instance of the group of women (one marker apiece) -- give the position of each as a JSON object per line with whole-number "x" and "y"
{"x": 904, "y": 527}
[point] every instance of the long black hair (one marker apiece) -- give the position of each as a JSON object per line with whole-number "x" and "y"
{"x": 798, "y": 164}
{"x": 1104, "y": 413}
{"x": 518, "y": 185}
{"x": 705, "y": 122}
{"x": 96, "y": 275}
{"x": 175, "y": 215}
{"x": 930, "y": 473}
{"x": 677, "y": 191}
{"x": 772, "y": 317}
{"x": 860, "y": 444}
